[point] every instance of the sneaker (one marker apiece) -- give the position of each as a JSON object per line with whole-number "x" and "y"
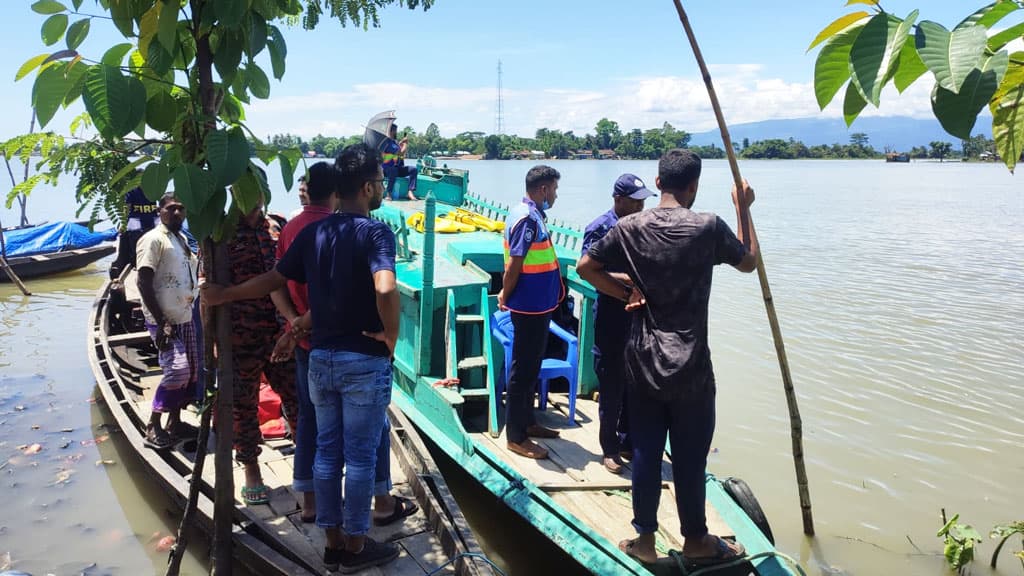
{"x": 373, "y": 554}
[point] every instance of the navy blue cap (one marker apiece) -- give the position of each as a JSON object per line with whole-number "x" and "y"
{"x": 631, "y": 186}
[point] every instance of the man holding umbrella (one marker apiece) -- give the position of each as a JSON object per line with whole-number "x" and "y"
{"x": 382, "y": 135}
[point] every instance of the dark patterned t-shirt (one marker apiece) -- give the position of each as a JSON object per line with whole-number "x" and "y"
{"x": 670, "y": 254}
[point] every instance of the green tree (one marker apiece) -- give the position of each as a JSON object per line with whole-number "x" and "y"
{"x": 181, "y": 78}
{"x": 493, "y": 146}
{"x": 608, "y": 133}
{"x": 970, "y": 67}
{"x": 859, "y": 139}
{"x": 940, "y": 150}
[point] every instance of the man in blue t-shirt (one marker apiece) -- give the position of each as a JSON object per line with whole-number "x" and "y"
{"x": 347, "y": 260}
{"x": 393, "y": 163}
{"x": 611, "y": 324}
{"x": 143, "y": 215}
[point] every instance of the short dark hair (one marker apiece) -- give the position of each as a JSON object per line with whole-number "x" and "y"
{"x": 302, "y": 178}
{"x": 167, "y": 197}
{"x": 322, "y": 181}
{"x": 355, "y": 165}
{"x": 678, "y": 168}
{"x": 539, "y": 175}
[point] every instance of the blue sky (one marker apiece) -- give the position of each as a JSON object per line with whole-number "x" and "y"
{"x": 567, "y": 63}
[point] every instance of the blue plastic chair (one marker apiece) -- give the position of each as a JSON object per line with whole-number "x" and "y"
{"x": 502, "y": 329}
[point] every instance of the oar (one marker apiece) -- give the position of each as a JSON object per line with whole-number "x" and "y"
{"x": 7, "y": 266}
{"x": 796, "y": 426}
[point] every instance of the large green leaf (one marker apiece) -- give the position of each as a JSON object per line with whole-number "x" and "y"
{"x": 30, "y": 65}
{"x": 167, "y": 25}
{"x": 832, "y": 68}
{"x": 257, "y": 35}
{"x": 148, "y": 28}
{"x": 287, "y": 170}
{"x": 124, "y": 17}
{"x": 116, "y": 103}
{"x": 228, "y": 54}
{"x": 227, "y": 153}
{"x": 259, "y": 84}
{"x": 231, "y": 110}
{"x": 53, "y": 28}
{"x": 950, "y": 56}
{"x": 278, "y": 52}
{"x": 210, "y": 219}
{"x": 48, "y": 92}
{"x": 1013, "y": 78}
{"x": 193, "y": 186}
{"x": 998, "y": 41}
{"x": 75, "y": 73}
{"x": 115, "y": 55}
{"x": 909, "y": 68}
{"x": 247, "y": 192}
{"x": 957, "y": 112}
{"x": 840, "y": 24}
{"x": 158, "y": 59}
{"x": 77, "y": 33}
{"x": 1008, "y": 125}
{"x": 230, "y": 12}
{"x": 48, "y": 7}
{"x": 989, "y": 15}
{"x": 876, "y": 51}
{"x": 161, "y": 111}
{"x": 155, "y": 178}
{"x": 853, "y": 103}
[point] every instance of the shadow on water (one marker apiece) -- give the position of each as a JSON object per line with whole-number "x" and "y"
{"x": 508, "y": 540}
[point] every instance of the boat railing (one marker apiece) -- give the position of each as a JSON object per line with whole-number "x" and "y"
{"x": 401, "y": 230}
{"x": 562, "y": 233}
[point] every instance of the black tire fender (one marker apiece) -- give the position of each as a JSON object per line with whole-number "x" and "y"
{"x": 741, "y": 493}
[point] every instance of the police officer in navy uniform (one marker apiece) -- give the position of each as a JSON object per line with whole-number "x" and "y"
{"x": 611, "y": 326}
{"x": 531, "y": 290}
{"x": 143, "y": 216}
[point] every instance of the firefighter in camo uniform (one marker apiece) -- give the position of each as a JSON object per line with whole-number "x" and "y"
{"x": 255, "y": 328}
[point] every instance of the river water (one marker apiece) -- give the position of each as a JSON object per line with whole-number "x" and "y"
{"x": 900, "y": 294}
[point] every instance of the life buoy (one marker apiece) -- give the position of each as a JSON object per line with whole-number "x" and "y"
{"x": 741, "y": 493}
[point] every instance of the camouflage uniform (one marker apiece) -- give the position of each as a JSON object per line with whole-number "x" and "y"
{"x": 255, "y": 329}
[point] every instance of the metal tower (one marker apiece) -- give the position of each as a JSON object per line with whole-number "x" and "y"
{"x": 499, "y": 117}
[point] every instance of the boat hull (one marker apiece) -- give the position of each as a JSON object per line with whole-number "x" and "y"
{"x": 57, "y": 262}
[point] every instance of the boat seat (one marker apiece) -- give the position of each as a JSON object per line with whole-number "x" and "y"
{"x": 551, "y": 368}
{"x": 129, "y": 339}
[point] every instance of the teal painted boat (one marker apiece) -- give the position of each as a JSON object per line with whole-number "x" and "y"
{"x": 448, "y": 185}
{"x": 448, "y": 285}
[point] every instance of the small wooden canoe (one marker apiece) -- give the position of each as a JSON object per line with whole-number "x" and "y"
{"x": 271, "y": 539}
{"x": 56, "y": 262}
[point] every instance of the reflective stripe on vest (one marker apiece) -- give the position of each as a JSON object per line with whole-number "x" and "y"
{"x": 388, "y": 158}
{"x": 539, "y": 289}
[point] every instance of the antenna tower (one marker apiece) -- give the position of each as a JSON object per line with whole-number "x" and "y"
{"x": 499, "y": 117}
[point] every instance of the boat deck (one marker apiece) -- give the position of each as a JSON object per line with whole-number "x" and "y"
{"x": 574, "y": 477}
{"x": 421, "y": 550}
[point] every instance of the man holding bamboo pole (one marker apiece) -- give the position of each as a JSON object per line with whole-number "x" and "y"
{"x": 669, "y": 253}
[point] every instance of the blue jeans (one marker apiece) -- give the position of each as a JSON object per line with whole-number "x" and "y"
{"x": 689, "y": 424}
{"x": 351, "y": 393}
{"x": 393, "y": 173}
{"x": 305, "y": 436}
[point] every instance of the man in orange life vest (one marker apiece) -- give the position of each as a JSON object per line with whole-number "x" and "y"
{"x": 531, "y": 289}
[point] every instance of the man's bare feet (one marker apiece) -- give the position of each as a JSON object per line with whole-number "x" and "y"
{"x": 412, "y": 196}
{"x": 712, "y": 550}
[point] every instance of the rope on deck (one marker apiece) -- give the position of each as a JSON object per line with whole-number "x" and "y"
{"x": 471, "y": 555}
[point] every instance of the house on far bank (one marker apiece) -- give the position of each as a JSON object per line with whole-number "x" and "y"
{"x": 606, "y": 154}
{"x": 530, "y": 155}
{"x": 581, "y": 155}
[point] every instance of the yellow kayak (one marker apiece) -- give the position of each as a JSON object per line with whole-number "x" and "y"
{"x": 441, "y": 224}
{"x": 478, "y": 220}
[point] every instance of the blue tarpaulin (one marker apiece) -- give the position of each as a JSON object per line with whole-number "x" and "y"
{"x": 55, "y": 237}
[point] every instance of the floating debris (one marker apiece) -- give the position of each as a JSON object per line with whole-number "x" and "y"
{"x": 30, "y": 449}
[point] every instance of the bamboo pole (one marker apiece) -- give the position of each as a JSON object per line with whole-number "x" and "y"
{"x": 7, "y": 266}
{"x": 178, "y": 550}
{"x": 796, "y": 425}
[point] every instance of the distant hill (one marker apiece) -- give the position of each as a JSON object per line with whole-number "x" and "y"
{"x": 899, "y": 132}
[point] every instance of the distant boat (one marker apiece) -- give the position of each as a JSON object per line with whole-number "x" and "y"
{"x": 53, "y": 248}
{"x": 897, "y": 157}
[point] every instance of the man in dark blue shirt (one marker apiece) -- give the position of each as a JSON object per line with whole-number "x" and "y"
{"x": 669, "y": 252}
{"x": 348, "y": 262}
{"x": 610, "y": 327}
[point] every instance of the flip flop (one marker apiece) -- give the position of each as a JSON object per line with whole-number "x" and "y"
{"x": 626, "y": 546}
{"x": 403, "y": 508}
{"x": 256, "y": 495}
{"x": 723, "y": 554}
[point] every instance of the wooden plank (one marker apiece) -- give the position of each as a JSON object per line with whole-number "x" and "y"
{"x": 281, "y": 529}
{"x": 427, "y": 552}
{"x": 590, "y": 485}
{"x": 536, "y": 471}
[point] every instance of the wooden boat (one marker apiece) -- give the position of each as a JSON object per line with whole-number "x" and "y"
{"x": 56, "y": 262}
{"x": 448, "y": 286}
{"x": 270, "y": 539}
{"x": 900, "y": 157}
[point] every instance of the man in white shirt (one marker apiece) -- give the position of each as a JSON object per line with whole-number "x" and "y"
{"x": 169, "y": 285}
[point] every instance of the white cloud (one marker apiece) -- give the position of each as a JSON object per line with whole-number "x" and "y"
{"x": 745, "y": 93}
